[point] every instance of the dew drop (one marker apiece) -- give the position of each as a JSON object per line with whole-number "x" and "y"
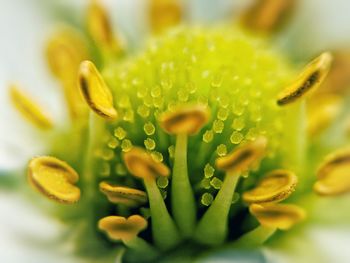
{"x": 126, "y": 145}
{"x": 120, "y": 133}
{"x": 216, "y": 183}
{"x": 150, "y": 144}
{"x": 221, "y": 150}
{"x": 236, "y": 137}
{"x": 218, "y": 126}
{"x": 208, "y": 171}
{"x": 162, "y": 182}
{"x": 149, "y": 128}
{"x": 208, "y": 136}
{"x": 207, "y": 199}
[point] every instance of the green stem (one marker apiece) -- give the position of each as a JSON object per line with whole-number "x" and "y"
{"x": 165, "y": 233}
{"x": 213, "y": 227}
{"x": 254, "y": 238}
{"x": 183, "y": 202}
{"x": 138, "y": 245}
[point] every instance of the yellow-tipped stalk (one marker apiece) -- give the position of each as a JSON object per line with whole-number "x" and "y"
{"x": 212, "y": 228}
{"x": 126, "y": 230}
{"x": 182, "y": 122}
{"x": 141, "y": 165}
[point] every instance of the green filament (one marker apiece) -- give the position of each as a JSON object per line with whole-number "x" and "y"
{"x": 183, "y": 203}
{"x": 212, "y": 229}
{"x": 254, "y": 238}
{"x": 165, "y": 233}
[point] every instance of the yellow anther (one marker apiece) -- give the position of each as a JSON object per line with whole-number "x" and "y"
{"x": 274, "y": 187}
{"x": 65, "y": 51}
{"x": 123, "y": 195}
{"x": 164, "y": 14}
{"x": 279, "y": 216}
{"x": 185, "y": 120}
{"x": 244, "y": 157}
{"x": 29, "y": 109}
{"x": 322, "y": 110}
{"x": 141, "y": 164}
{"x": 333, "y": 175}
{"x": 95, "y": 91}
{"x": 54, "y": 178}
{"x": 310, "y": 79}
{"x": 100, "y": 28}
{"x": 267, "y": 15}
{"x": 121, "y": 228}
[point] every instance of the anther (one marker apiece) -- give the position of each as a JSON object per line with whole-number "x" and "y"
{"x": 274, "y": 187}
{"x": 54, "y": 179}
{"x": 95, "y": 91}
{"x": 123, "y": 195}
{"x": 310, "y": 79}
{"x": 29, "y": 109}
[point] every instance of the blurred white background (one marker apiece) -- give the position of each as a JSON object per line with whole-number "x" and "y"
{"x": 24, "y": 26}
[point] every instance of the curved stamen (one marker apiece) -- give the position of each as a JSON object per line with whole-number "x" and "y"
{"x": 142, "y": 165}
{"x": 123, "y": 195}
{"x": 54, "y": 178}
{"x": 95, "y": 91}
{"x": 184, "y": 121}
{"x": 236, "y": 163}
{"x": 126, "y": 230}
{"x": 29, "y": 109}
{"x": 310, "y": 79}
{"x": 274, "y": 187}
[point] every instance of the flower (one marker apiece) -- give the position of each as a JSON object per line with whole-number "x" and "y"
{"x": 190, "y": 98}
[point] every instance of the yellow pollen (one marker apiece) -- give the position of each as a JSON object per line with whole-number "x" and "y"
{"x": 54, "y": 179}
{"x": 162, "y": 182}
{"x": 207, "y": 199}
{"x": 274, "y": 187}
{"x": 126, "y": 145}
{"x": 216, "y": 183}
{"x": 208, "y": 136}
{"x": 221, "y": 150}
{"x": 95, "y": 91}
{"x": 171, "y": 151}
{"x": 236, "y": 137}
{"x": 208, "y": 171}
{"x": 29, "y": 109}
{"x": 218, "y": 126}
{"x": 310, "y": 79}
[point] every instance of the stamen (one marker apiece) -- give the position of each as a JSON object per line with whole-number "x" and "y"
{"x": 164, "y": 14}
{"x": 142, "y": 165}
{"x": 126, "y": 229}
{"x": 310, "y": 79}
{"x": 184, "y": 121}
{"x": 123, "y": 195}
{"x": 54, "y": 179}
{"x": 321, "y": 111}
{"x": 65, "y": 51}
{"x": 100, "y": 28}
{"x": 267, "y": 15}
{"x": 187, "y": 119}
{"x": 235, "y": 164}
{"x": 274, "y": 187}
{"x": 244, "y": 157}
{"x": 278, "y": 216}
{"x": 332, "y": 176}
{"x": 95, "y": 91}
{"x": 29, "y": 109}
